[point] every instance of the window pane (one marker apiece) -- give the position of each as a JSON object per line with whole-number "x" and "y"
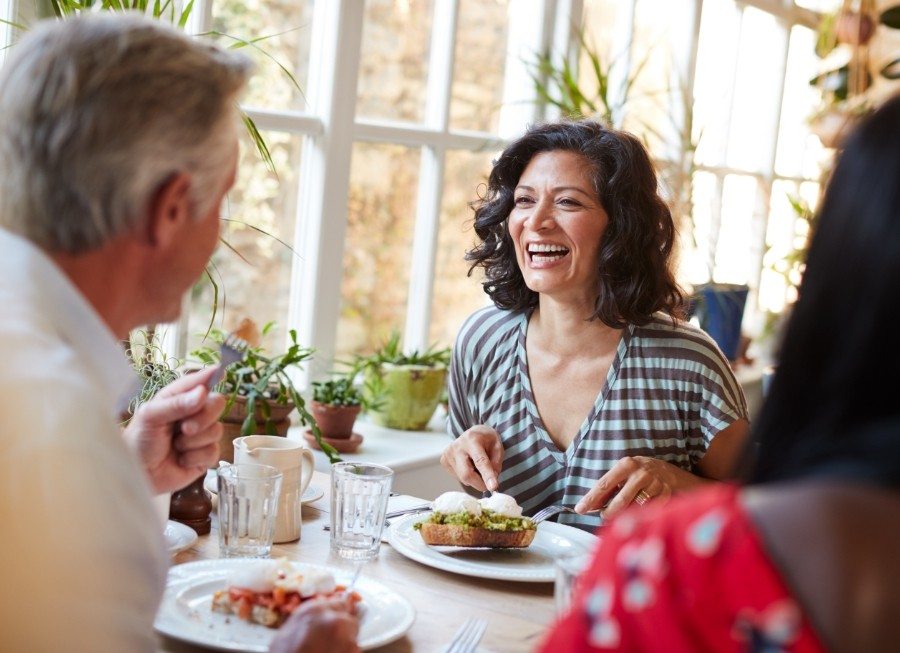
{"x": 256, "y": 286}
{"x": 786, "y": 238}
{"x": 600, "y": 18}
{"x": 456, "y": 296}
{"x": 655, "y": 104}
{"x": 605, "y": 36}
{"x": 378, "y": 247}
{"x": 288, "y": 26}
{"x": 695, "y": 264}
{"x": 780, "y": 241}
{"x": 799, "y": 151}
{"x": 734, "y": 254}
{"x": 716, "y": 54}
{"x": 819, "y": 5}
{"x": 393, "y": 64}
{"x": 479, "y": 65}
{"x": 760, "y": 64}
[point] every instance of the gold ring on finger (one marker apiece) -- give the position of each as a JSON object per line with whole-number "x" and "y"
{"x": 642, "y": 497}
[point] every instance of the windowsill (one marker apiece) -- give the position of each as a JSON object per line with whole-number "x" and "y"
{"x": 413, "y": 455}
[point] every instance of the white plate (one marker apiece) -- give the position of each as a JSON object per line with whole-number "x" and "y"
{"x": 533, "y": 564}
{"x": 310, "y": 494}
{"x": 179, "y": 537}
{"x": 186, "y": 612}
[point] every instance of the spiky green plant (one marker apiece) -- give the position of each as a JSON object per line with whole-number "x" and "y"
{"x": 557, "y": 84}
{"x": 154, "y": 367}
{"x": 260, "y": 379}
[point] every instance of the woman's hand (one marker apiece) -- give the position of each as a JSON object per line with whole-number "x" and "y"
{"x": 475, "y": 458}
{"x": 323, "y": 625}
{"x": 635, "y": 479}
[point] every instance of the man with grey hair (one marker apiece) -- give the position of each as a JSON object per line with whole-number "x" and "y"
{"x": 118, "y": 143}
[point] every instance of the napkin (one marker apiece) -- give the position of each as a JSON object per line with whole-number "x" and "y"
{"x": 400, "y": 502}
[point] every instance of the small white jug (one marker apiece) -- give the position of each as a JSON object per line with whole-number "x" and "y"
{"x": 296, "y": 464}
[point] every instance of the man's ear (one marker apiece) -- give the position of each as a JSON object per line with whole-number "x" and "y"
{"x": 169, "y": 210}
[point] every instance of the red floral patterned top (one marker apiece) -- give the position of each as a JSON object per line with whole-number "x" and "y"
{"x": 687, "y": 576}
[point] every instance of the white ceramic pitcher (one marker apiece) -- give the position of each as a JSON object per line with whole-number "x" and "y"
{"x": 296, "y": 463}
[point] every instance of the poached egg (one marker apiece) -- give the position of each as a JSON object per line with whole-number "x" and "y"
{"x": 265, "y": 575}
{"x": 452, "y": 502}
{"x": 502, "y": 504}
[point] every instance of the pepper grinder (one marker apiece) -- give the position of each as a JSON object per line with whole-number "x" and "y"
{"x": 191, "y": 506}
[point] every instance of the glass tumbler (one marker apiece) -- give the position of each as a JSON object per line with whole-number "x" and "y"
{"x": 248, "y": 506}
{"x": 568, "y": 569}
{"x": 359, "y": 499}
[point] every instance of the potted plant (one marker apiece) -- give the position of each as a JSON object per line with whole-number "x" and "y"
{"x": 154, "y": 367}
{"x": 719, "y": 307}
{"x": 402, "y": 389}
{"x": 191, "y": 504}
{"x": 335, "y": 406}
{"x": 260, "y": 393}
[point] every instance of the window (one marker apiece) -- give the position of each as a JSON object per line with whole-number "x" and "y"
{"x": 735, "y": 73}
{"x": 402, "y": 109}
{"x": 402, "y": 105}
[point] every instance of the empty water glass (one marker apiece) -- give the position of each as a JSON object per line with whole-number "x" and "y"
{"x": 568, "y": 570}
{"x": 359, "y": 499}
{"x": 248, "y": 507}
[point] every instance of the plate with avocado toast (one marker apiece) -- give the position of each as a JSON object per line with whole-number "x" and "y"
{"x": 500, "y": 554}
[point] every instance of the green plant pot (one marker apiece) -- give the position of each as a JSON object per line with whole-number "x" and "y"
{"x": 409, "y": 395}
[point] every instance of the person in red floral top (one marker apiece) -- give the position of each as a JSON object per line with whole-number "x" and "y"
{"x": 805, "y": 557}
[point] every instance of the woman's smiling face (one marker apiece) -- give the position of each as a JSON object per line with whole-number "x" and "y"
{"x": 556, "y": 224}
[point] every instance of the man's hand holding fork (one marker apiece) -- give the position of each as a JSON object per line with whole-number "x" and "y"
{"x": 176, "y": 434}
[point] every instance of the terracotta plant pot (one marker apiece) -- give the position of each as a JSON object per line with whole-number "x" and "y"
{"x": 234, "y": 419}
{"x": 238, "y": 411}
{"x": 411, "y": 394}
{"x": 335, "y": 422}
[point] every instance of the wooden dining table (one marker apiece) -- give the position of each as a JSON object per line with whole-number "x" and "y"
{"x": 518, "y": 613}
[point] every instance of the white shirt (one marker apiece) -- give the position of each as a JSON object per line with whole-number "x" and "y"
{"x": 82, "y": 557}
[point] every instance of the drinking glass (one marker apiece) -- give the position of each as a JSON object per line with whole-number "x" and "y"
{"x": 568, "y": 569}
{"x": 248, "y": 506}
{"x": 359, "y": 498}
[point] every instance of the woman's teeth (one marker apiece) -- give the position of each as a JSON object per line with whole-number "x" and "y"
{"x": 544, "y": 253}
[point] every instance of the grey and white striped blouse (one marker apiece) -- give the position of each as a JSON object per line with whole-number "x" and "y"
{"x": 668, "y": 392}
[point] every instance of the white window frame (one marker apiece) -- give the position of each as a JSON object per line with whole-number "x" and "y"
{"x": 8, "y": 12}
{"x": 331, "y": 128}
{"x": 788, "y": 15}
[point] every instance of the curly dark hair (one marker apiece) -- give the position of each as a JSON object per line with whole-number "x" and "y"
{"x": 634, "y": 276}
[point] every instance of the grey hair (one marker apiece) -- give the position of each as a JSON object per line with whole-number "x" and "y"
{"x": 97, "y": 112}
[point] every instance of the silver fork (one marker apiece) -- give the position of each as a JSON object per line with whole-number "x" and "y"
{"x": 466, "y": 638}
{"x": 546, "y": 513}
{"x": 232, "y": 350}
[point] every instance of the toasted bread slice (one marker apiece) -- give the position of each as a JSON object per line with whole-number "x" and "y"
{"x": 265, "y": 616}
{"x": 455, "y": 535}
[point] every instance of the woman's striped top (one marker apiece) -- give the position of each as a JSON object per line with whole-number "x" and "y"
{"x": 668, "y": 392}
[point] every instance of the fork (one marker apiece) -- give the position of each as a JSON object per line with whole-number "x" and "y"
{"x": 546, "y": 513}
{"x": 466, "y": 638}
{"x": 232, "y": 350}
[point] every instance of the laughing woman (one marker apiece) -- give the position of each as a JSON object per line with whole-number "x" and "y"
{"x": 582, "y": 386}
